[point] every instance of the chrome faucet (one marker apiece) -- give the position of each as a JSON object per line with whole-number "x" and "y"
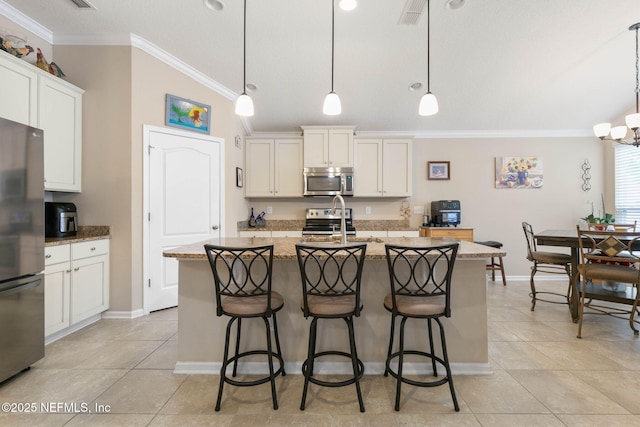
{"x": 343, "y": 227}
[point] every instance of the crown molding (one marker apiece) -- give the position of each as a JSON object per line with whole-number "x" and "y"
{"x": 25, "y": 22}
{"x": 459, "y": 134}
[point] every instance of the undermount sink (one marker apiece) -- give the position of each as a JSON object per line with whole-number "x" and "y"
{"x": 336, "y": 240}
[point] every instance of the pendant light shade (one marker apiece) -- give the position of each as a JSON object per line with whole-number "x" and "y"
{"x": 348, "y": 4}
{"x": 428, "y": 103}
{"x": 244, "y": 103}
{"x": 332, "y": 105}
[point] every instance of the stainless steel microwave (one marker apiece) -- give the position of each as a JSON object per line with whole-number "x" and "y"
{"x": 328, "y": 181}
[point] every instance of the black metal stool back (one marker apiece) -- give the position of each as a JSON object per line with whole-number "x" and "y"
{"x": 242, "y": 278}
{"x": 331, "y": 277}
{"x": 420, "y": 281}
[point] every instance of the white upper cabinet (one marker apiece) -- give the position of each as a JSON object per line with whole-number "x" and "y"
{"x": 36, "y": 98}
{"x": 383, "y": 167}
{"x": 19, "y": 91}
{"x": 328, "y": 146}
{"x": 273, "y": 167}
{"x": 60, "y": 116}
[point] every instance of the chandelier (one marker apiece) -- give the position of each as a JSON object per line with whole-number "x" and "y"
{"x": 604, "y": 131}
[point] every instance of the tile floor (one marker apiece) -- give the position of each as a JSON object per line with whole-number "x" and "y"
{"x": 544, "y": 376}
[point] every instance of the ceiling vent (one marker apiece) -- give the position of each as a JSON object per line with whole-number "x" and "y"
{"x": 412, "y": 12}
{"x": 83, "y": 4}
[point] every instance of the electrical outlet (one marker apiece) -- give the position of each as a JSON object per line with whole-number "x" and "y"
{"x": 418, "y": 210}
{"x": 367, "y": 210}
{"x": 269, "y": 210}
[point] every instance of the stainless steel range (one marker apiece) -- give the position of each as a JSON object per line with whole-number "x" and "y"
{"x": 321, "y": 222}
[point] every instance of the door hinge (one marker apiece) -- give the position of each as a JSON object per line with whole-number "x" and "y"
{"x": 149, "y": 217}
{"x": 149, "y": 285}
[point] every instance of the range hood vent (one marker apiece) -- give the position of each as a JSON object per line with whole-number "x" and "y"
{"x": 83, "y": 4}
{"x": 412, "y": 12}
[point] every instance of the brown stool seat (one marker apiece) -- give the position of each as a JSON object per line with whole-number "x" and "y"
{"x": 496, "y": 263}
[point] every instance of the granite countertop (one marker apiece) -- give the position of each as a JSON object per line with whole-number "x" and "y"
{"x": 284, "y": 247}
{"x": 359, "y": 224}
{"x": 85, "y": 232}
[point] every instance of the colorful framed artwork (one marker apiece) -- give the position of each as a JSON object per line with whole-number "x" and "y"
{"x": 239, "y": 178}
{"x": 438, "y": 170}
{"x": 519, "y": 172}
{"x": 186, "y": 114}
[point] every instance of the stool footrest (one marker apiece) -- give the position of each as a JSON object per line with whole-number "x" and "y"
{"x": 394, "y": 374}
{"x": 325, "y": 383}
{"x": 266, "y": 379}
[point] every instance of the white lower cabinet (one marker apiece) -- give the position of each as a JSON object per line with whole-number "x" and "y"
{"x": 76, "y": 283}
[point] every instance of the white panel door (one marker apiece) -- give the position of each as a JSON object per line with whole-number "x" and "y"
{"x": 184, "y": 205}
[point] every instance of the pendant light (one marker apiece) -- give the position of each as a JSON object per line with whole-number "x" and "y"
{"x": 244, "y": 103}
{"x": 348, "y": 4}
{"x": 428, "y": 102}
{"x": 604, "y": 131}
{"x": 332, "y": 106}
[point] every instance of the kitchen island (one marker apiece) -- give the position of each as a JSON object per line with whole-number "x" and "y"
{"x": 201, "y": 332}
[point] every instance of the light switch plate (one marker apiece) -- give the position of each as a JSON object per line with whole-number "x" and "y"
{"x": 269, "y": 210}
{"x": 418, "y": 210}
{"x": 367, "y": 210}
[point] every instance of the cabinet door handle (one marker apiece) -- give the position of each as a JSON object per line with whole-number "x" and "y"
{"x": 47, "y": 256}
{"x": 93, "y": 249}
{"x": 76, "y": 269}
{"x": 68, "y": 271}
{"x": 214, "y": 227}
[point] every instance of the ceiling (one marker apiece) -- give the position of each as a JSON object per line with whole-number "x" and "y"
{"x": 498, "y": 67}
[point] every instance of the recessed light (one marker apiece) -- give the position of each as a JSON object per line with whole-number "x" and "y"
{"x": 251, "y": 87}
{"x": 216, "y": 5}
{"x": 454, "y": 4}
{"x": 414, "y": 87}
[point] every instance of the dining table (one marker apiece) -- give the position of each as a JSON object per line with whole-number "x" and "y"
{"x": 569, "y": 239}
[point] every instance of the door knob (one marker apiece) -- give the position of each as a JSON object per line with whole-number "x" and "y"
{"x": 214, "y": 227}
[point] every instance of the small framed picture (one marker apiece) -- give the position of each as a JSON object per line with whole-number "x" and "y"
{"x": 438, "y": 170}
{"x": 239, "y": 178}
{"x": 186, "y": 114}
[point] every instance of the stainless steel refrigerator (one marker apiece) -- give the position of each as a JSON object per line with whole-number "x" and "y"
{"x": 21, "y": 247}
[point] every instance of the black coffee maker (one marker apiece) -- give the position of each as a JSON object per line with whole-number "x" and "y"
{"x": 60, "y": 219}
{"x": 445, "y": 213}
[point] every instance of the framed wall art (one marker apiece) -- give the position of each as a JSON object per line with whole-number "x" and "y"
{"x": 239, "y": 178}
{"x": 519, "y": 172}
{"x": 186, "y": 114}
{"x": 438, "y": 170}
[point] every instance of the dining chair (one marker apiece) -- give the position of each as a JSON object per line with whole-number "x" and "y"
{"x": 608, "y": 257}
{"x": 242, "y": 279}
{"x": 546, "y": 262}
{"x": 331, "y": 276}
{"x": 420, "y": 279}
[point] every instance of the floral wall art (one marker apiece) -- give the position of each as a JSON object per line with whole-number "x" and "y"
{"x": 519, "y": 172}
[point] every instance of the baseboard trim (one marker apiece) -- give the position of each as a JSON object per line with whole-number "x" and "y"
{"x": 334, "y": 368}
{"x": 71, "y": 329}
{"x": 110, "y": 314}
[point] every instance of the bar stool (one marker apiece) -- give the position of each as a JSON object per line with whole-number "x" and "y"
{"x": 242, "y": 277}
{"x": 420, "y": 279}
{"x": 331, "y": 277}
{"x": 494, "y": 265}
